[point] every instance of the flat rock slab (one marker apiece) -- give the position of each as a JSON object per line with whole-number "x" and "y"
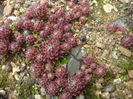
{"x": 1, "y": 10}
{"x": 75, "y": 50}
{"x": 81, "y": 55}
{"x": 73, "y": 66}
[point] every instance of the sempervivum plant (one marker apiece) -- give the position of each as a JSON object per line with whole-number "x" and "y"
{"x": 37, "y": 11}
{"x": 3, "y": 48}
{"x": 101, "y": 71}
{"x": 66, "y": 47}
{"x": 61, "y": 72}
{"x": 14, "y": 47}
{"x": 5, "y": 31}
{"x": 57, "y": 35}
{"x": 28, "y": 25}
{"x": 52, "y": 89}
{"x": 112, "y": 27}
{"x": 30, "y": 54}
{"x": 51, "y": 50}
{"x": 39, "y": 58}
{"x": 72, "y": 41}
{"x": 127, "y": 41}
{"x": 37, "y": 70}
{"x": 43, "y": 81}
{"x": 30, "y": 39}
{"x": 49, "y": 67}
{"x": 20, "y": 39}
{"x": 88, "y": 60}
{"x": 38, "y": 25}
{"x": 18, "y": 24}
{"x": 65, "y": 95}
{"x": 75, "y": 85}
{"x": 61, "y": 82}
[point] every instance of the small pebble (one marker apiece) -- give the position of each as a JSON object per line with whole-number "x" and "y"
{"x": 2, "y": 92}
{"x": 110, "y": 88}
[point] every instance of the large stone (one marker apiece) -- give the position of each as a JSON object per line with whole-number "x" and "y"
{"x": 130, "y": 73}
{"x": 110, "y": 88}
{"x": 125, "y": 51}
{"x": 75, "y": 50}
{"x": 73, "y": 66}
{"x": 8, "y": 10}
{"x": 81, "y": 55}
{"x": 1, "y": 10}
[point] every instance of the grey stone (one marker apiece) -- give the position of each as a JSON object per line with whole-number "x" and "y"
{"x": 73, "y": 66}
{"x": 81, "y": 55}
{"x": 75, "y": 50}
{"x": 110, "y": 88}
{"x": 1, "y": 10}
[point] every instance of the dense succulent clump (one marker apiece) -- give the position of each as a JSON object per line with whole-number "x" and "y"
{"x": 55, "y": 31}
{"x": 88, "y": 60}
{"x": 127, "y": 41}
{"x": 100, "y": 71}
{"x": 65, "y": 95}
{"x": 38, "y": 25}
{"x": 49, "y": 67}
{"x": 31, "y": 54}
{"x": 14, "y": 47}
{"x": 39, "y": 58}
{"x": 28, "y": 25}
{"x": 20, "y": 39}
{"x": 51, "y": 50}
{"x": 75, "y": 85}
{"x": 52, "y": 89}
{"x": 3, "y": 48}
{"x": 37, "y": 70}
{"x": 61, "y": 82}
{"x": 30, "y": 39}
{"x": 5, "y": 32}
{"x": 61, "y": 72}
{"x": 43, "y": 81}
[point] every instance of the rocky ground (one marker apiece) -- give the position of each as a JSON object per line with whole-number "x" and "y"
{"x": 15, "y": 79}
